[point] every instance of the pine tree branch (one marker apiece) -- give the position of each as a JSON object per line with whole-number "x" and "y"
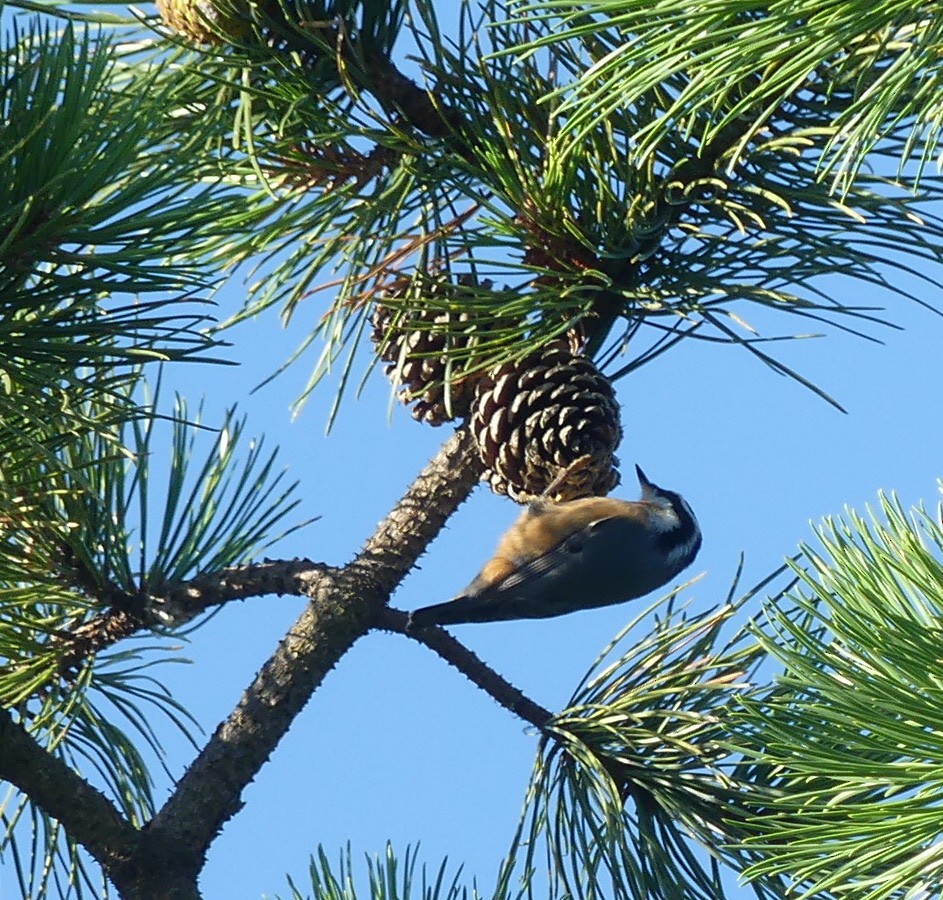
{"x": 478, "y": 672}
{"x": 182, "y": 602}
{"x": 166, "y": 857}
{"x": 610, "y": 305}
{"x": 362, "y": 57}
{"x": 395, "y": 91}
{"x": 86, "y": 814}
{"x": 345, "y": 605}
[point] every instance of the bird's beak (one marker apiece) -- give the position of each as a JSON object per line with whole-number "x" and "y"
{"x": 647, "y": 487}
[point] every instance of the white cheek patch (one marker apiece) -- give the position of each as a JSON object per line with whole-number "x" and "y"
{"x": 681, "y": 554}
{"x": 663, "y": 518}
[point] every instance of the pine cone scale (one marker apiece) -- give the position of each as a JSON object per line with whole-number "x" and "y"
{"x": 548, "y": 415}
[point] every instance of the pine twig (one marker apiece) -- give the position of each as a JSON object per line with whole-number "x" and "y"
{"x": 478, "y": 672}
{"x": 345, "y": 604}
{"x": 182, "y": 602}
{"x": 86, "y": 814}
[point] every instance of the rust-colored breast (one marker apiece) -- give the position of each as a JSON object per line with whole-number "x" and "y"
{"x": 496, "y": 569}
{"x": 541, "y": 528}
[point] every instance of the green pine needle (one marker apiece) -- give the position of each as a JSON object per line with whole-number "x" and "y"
{"x": 633, "y": 794}
{"x": 850, "y": 733}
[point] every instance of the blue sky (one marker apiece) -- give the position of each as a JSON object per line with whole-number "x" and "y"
{"x": 398, "y": 746}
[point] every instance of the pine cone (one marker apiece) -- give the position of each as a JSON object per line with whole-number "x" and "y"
{"x": 548, "y": 421}
{"x": 419, "y": 346}
{"x": 202, "y": 21}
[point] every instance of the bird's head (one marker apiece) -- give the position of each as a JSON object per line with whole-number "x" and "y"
{"x": 678, "y": 534}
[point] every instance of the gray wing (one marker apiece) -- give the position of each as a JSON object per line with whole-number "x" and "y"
{"x": 591, "y": 567}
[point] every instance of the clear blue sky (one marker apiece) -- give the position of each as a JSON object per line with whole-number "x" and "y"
{"x": 398, "y": 746}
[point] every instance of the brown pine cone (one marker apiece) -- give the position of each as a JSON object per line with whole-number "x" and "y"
{"x": 420, "y": 347}
{"x": 552, "y": 414}
{"x": 202, "y": 21}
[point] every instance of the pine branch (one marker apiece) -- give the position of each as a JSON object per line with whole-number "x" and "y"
{"x": 345, "y": 605}
{"x": 166, "y": 858}
{"x": 479, "y": 673}
{"x": 333, "y": 55}
{"x": 181, "y": 603}
{"x": 872, "y": 69}
{"x": 88, "y": 816}
{"x": 394, "y": 90}
{"x": 668, "y": 212}
{"x": 849, "y": 735}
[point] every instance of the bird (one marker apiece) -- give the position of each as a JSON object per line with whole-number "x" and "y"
{"x": 558, "y": 558}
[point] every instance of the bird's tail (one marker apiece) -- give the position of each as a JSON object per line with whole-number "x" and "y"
{"x": 451, "y": 612}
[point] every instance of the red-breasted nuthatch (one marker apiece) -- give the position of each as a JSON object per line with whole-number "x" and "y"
{"x": 561, "y": 557}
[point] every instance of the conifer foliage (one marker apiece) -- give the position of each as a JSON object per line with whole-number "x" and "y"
{"x": 510, "y": 214}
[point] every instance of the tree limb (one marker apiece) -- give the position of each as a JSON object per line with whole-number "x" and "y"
{"x": 478, "y": 672}
{"x": 180, "y": 603}
{"x": 345, "y": 605}
{"x": 87, "y": 815}
{"x": 668, "y": 212}
{"x": 395, "y": 91}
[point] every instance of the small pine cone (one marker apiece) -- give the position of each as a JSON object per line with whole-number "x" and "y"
{"x": 547, "y": 425}
{"x": 419, "y": 346}
{"x": 202, "y": 21}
